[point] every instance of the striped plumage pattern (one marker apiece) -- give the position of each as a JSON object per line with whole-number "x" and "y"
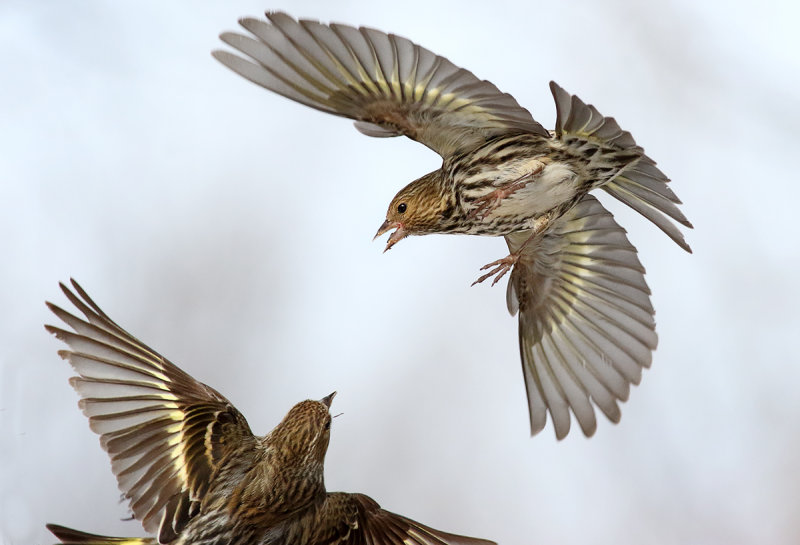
{"x": 189, "y": 465}
{"x": 502, "y": 174}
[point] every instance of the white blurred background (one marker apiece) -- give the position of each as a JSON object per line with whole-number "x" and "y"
{"x": 231, "y": 230}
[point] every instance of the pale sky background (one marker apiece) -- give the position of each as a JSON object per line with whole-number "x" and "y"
{"x": 231, "y": 230}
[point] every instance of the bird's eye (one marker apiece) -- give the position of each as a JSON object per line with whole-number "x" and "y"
{"x": 328, "y": 425}
{"x": 401, "y": 207}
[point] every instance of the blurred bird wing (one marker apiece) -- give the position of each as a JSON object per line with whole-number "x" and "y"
{"x": 356, "y": 519}
{"x": 586, "y": 326}
{"x": 388, "y": 84}
{"x": 164, "y": 431}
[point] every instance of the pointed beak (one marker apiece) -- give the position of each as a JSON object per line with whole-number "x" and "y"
{"x": 328, "y": 399}
{"x": 385, "y": 226}
{"x": 399, "y": 234}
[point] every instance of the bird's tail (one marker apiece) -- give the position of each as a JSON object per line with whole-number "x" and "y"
{"x": 618, "y": 163}
{"x": 68, "y": 536}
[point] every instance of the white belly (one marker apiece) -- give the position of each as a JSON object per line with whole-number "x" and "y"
{"x": 554, "y": 185}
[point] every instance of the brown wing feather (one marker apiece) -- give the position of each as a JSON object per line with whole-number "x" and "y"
{"x": 68, "y": 536}
{"x": 163, "y": 430}
{"x": 388, "y": 84}
{"x": 586, "y": 326}
{"x": 356, "y": 519}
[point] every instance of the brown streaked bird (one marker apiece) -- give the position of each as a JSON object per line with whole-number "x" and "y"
{"x": 189, "y": 465}
{"x": 586, "y": 327}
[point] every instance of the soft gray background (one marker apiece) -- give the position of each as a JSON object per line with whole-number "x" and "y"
{"x": 231, "y": 230}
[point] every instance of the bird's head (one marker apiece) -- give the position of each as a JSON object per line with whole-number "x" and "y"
{"x": 417, "y": 209}
{"x": 305, "y": 431}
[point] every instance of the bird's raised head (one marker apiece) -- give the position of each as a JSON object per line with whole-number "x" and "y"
{"x": 304, "y": 432}
{"x": 416, "y": 209}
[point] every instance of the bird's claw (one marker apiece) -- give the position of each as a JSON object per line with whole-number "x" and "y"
{"x": 486, "y": 204}
{"x": 490, "y": 201}
{"x": 501, "y": 267}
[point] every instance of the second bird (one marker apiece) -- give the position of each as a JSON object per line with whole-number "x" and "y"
{"x": 189, "y": 465}
{"x": 586, "y": 326}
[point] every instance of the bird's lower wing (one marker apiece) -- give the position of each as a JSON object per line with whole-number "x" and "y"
{"x": 164, "y": 431}
{"x": 389, "y": 85}
{"x": 586, "y": 326}
{"x": 356, "y": 519}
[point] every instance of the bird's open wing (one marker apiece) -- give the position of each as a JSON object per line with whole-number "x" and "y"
{"x": 388, "y": 84}
{"x": 164, "y": 431}
{"x": 586, "y": 326}
{"x": 356, "y": 519}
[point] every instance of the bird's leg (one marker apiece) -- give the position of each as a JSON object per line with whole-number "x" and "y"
{"x": 502, "y": 266}
{"x": 490, "y": 201}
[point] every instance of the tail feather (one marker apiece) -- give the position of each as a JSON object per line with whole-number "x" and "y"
{"x": 649, "y": 195}
{"x": 68, "y": 536}
{"x": 637, "y": 181}
{"x": 576, "y": 118}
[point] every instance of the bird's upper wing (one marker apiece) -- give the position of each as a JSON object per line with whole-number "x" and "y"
{"x": 164, "y": 431}
{"x": 356, "y": 519}
{"x": 388, "y": 84}
{"x": 586, "y": 326}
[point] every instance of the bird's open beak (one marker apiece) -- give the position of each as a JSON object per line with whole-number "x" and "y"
{"x": 399, "y": 234}
{"x": 328, "y": 399}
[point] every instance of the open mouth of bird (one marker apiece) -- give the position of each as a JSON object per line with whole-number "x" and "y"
{"x": 399, "y": 234}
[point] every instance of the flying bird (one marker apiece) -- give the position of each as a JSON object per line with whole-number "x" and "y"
{"x": 191, "y": 469}
{"x": 586, "y": 327}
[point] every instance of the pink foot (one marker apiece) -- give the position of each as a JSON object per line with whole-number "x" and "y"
{"x": 501, "y": 267}
{"x": 492, "y": 200}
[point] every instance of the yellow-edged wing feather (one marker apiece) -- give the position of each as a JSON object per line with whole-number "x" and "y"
{"x": 164, "y": 431}
{"x": 389, "y": 85}
{"x": 586, "y": 326}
